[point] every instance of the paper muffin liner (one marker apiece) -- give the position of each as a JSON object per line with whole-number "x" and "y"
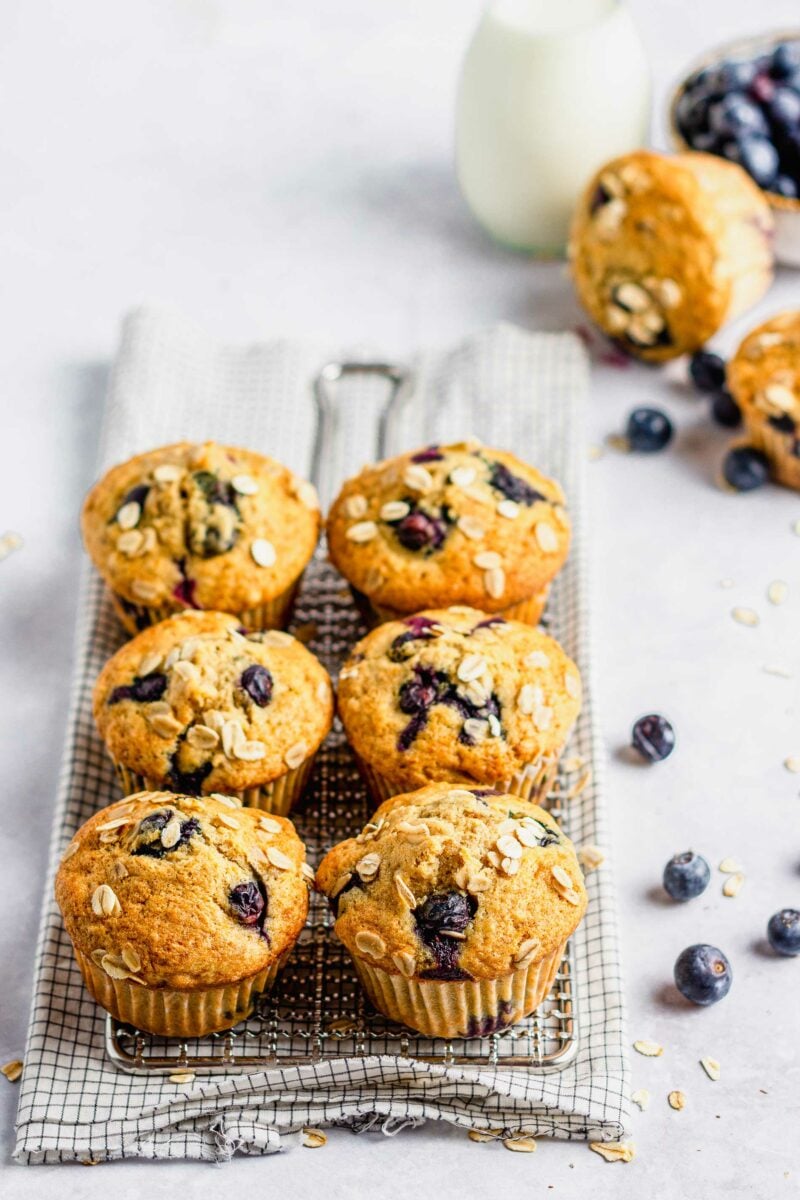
{"x": 176, "y": 1012}
{"x": 272, "y": 614}
{"x": 784, "y": 466}
{"x": 528, "y": 611}
{"x": 460, "y": 1008}
{"x": 277, "y": 797}
{"x": 532, "y": 783}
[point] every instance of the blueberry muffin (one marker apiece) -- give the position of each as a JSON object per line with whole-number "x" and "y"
{"x": 457, "y": 524}
{"x": 458, "y": 696}
{"x": 182, "y": 911}
{"x": 208, "y": 527}
{"x": 196, "y": 704}
{"x": 764, "y": 379}
{"x": 666, "y": 249}
{"x": 455, "y": 906}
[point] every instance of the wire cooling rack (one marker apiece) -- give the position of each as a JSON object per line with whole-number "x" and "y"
{"x": 317, "y": 1009}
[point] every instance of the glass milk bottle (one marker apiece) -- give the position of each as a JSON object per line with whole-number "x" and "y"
{"x": 549, "y": 90}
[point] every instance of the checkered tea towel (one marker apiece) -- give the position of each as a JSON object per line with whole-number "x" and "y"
{"x": 172, "y": 382}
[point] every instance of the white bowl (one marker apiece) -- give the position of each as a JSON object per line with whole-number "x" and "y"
{"x": 785, "y": 210}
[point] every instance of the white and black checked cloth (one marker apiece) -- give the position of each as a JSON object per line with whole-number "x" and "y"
{"x": 171, "y": 382}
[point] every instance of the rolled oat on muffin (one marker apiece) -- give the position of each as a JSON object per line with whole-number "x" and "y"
{"x": 197, "y": 704}
{"x": 456, "y": 695}
{"x": 181, "y": 911}
{"x": 456, "y": 524}
{"x": 204, "y": 527}
{"x": 665, "y": 249}
{"x": 764, "y": 380}
{"x": 456, "y": 906}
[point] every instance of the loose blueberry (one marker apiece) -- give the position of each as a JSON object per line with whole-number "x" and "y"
{"x": 653, "y": 737}
{"x": 783, "y": 932}
{"x": 703, "y": 974}
{"x": 707, "y": 371}
{"x": 511, "y": 486}
{"x": 686, "y": 876}
{"x": 248, "y": 903}
{"x": 725, "y": 411}
{"x": 648, "y": 430}
{"x": 144, "y": 689}
{"x": 258, "y": 683}
{"x": 420, "y": 531}
{"x": 745, "y": 469}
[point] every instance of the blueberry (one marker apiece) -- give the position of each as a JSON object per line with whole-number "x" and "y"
{"x": 725, "y": 410}
{"x": 147, "y": 841}
{"x": 783, "y": 931}
{"x": 419, "y": 629}
{"x": 648, "y": 430}
{"x": 440, "y": 915}
{"x": 258, "y": 683}
{"x": 762, "y": 88}
{"x": 214, "y": 521}
{"x": 429, "y": 454}
{"x": 144, "y": 689}
{"x": 686, "y": 876}
{"x": 703, "y": 974}
{"x": 189, "y": 782}
{"x": 707, "y": 371}
{"x": 511, "y": 486}
{"x": 599, "y": 197}
{"x": 757, "y": 155}
{"x": 423, "y": 690}
{"x": 745, "y": 469}
{"x": 653, "y": 737}
{"x": 784, "y": 423}
{"x": 736, "y": 116}
{"x": 248, "y": 903}
{"x": 184, "y": 591}
{"x": 785, "y": 60}
{"x": 785, "y": 185}
{"x": 784, "y": 107}
{"x": 420, "y": 531}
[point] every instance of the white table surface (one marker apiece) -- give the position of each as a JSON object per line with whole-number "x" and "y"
{"x": 285, "y": 168}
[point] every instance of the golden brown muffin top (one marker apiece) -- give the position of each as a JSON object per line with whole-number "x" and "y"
{"x": 662, "y": 248}
{"x": 206, "y": 526}
{"x": 174, "y": 891}
{"x": 200, "y": 705}
{"x": 764, "y": 373}
{"x": 454, "y": 884}
{"x": 458, "y": 524}
{"x": 454, "y": 694}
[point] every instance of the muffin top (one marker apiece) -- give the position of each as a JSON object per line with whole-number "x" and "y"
{"x": 459, "y": 694}
{"x": 449, "y": 524}
{"x": 200, "y": 705}
{"x": 172, "y": 891}
{"x": 204, "y": 526}
{"x": 452, "y": 884}
{"x": 659, "y": 243}
{"x": 764, "y": 373}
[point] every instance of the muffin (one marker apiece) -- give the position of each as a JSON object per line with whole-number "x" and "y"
{"x": 457, "y": 696}
{"x": 182, "y": 911}
{"x": 197, "y": 705}
{"x": 455, "y": 907}
{"x": 666, "y": 249}
{"x": 207, "y": 527}
{"x": 764, "y": 379}
{"x": 457, "y": 524}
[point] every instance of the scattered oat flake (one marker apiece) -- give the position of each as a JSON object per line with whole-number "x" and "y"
{"x": 726, "y": 583}
{"x": 773, "y": 669}
{"x": 792, "y": 763}
{"x": 796, "y": 527}
{"x": 732, "y": 884}
{"x": 617, "y": 442}
{"x": 641, "y": 1097}
{"x": 729, "y": 866}
{"x": 591, "y": 857}
{"x": 522, "y": 1145}
{"x": 484, "y": 1135}
{"x": 595, "y": 452}
{"x": 182, "y": 1077}
{"x": 745, "y": 616}
{"x": 676, "y": 1100}
{"x": 711, "y": 1067}
{"x": 777, "y": 591}
{"x": 12, "y": 1070}
{"x": 8, "y": 543}
{"x": 648, "y": 1049}
{"x": 614, "y": 1151}
{"x": 314, "y": 1138}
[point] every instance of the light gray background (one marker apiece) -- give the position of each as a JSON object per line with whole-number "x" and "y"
{"x": 285, "y": 168}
